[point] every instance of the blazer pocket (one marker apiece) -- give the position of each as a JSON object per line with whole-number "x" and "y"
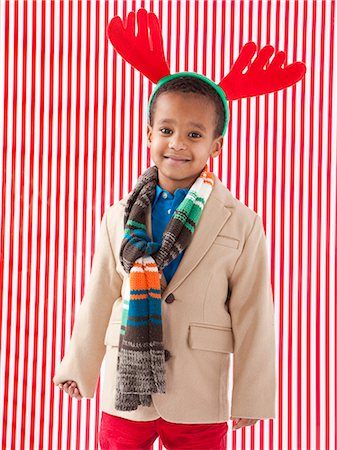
{"x": 226, "y": 241}
{"x": 214, "y": 338}
{"x": 112, "y": 334}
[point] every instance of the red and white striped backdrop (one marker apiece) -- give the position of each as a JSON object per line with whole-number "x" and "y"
{"x": 73, "y": 135}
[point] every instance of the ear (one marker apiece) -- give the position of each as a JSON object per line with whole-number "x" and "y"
{"x": 217, "y": 146}
{"x": 149, "y": 135}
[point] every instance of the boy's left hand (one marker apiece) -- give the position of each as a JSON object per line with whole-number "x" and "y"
{"x": 242, "y": 422}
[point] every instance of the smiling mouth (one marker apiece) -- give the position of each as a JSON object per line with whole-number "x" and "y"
{"x": 176, "y": 159}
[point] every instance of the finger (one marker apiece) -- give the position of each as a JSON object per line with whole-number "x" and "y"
{"x": 244, "y": 423}
{"x": 77, "y": 394}
{"x": 68, "y": 389}
{"x": 238, "y": 423}
{"x": 69, "y": 384}
{"x": 73, "y": 389}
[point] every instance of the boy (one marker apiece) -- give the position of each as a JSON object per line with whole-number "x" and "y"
{"x": 216, "y": 295}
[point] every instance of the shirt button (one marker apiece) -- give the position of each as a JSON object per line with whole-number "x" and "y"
{"x": 169, "y": 210}
{"x": 164, "y": 195}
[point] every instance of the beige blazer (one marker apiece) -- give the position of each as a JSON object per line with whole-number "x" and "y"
{"x": 217, "y": 308}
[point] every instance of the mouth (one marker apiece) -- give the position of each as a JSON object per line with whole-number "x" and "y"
{"x": 176, "y": 160}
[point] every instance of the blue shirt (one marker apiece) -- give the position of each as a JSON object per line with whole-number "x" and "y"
{"x": 163, "y": 206}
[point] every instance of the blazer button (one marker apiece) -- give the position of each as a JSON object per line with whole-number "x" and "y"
{"x": 167, "y": 355}
{"x": 170, "y": 298}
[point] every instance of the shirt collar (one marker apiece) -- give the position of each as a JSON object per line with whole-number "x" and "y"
{"x": 159, "y": 190}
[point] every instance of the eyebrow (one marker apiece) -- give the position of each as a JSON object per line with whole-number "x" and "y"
{"x": 193, "y": 124}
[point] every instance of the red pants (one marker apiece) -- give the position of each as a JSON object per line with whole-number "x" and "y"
{"x": 117, "y": 433}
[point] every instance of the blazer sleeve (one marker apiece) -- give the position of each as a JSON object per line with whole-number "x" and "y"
{"x": 253, "y": 324}
{"x": 86, "y": 349}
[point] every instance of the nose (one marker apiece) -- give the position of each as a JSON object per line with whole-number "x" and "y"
{"x": 177, "y": 142}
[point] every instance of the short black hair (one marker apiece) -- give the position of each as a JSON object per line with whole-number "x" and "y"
{"x": 197, "y": 86}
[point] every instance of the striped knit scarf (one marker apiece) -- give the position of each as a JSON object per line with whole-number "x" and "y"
{"x": 141, "y": 356}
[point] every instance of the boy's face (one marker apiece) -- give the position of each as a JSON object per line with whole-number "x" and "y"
{"x": 183, "y": 128}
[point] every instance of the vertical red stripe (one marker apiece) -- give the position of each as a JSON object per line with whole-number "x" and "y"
{"x": 301, "y": 225}
{"x": 319, "y": 288}
{"x": 329, "y": 300}
{"x": 274, "y": 196}
{"x": 283, "y": 200}
{"x": 230, "y": 147}
{"x": 204, "y": 40}
{"x": 229, "y": 131}
{"x": 18, "y": 325}
{"x": 25, "y": 416}
{"x": 58, "y": 183}
{"x": 222, "y": 74}
{"x": 196, "y": 31}
{"x": 187, "y": 35}
{"x": 214, "y": 59}
{"x": 177, "y": 38}
{"x": 312, "y": 72}
{"x": 169, "y": 33}
{"x": 11, "y": 212}
{"x": 215, "y": 55}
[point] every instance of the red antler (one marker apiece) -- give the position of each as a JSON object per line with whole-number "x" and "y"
{"x": 257, "y": 80}
{"x": 144, "y": 51}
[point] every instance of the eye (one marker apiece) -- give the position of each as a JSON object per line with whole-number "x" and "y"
{"x": 197, "y": 134}
{"x": 165, "y": 129}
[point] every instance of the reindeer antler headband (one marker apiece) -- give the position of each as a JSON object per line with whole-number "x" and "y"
{"x": 145, "y": 53}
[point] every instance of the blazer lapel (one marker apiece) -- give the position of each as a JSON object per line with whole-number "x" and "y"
{"x": 215, "y": 214}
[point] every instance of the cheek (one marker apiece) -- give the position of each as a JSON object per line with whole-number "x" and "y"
{"x": 157, "y": 150}
{"x": 158, "y": 143}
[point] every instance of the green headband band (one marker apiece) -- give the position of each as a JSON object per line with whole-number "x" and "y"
{"x": 201, "y": 77}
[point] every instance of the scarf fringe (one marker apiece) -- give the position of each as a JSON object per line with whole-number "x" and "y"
{"x": 134, "y": 387}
